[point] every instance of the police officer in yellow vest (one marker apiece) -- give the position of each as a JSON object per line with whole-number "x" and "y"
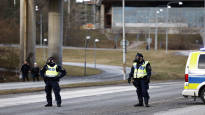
{"x": 141, "y": 73}
{"x": 51, "y": 74}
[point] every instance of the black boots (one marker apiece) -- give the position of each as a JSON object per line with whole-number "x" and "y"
{"x": 141, "y": 104}
{"x": 48, "y": 105}
{"x": 147, "y": 105}
{"x": 58, "y": 105}
{"x": 146, "y": 101}
{"x": 138, "y": 105}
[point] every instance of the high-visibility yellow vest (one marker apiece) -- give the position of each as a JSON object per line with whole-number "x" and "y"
{"x": 141, "y": 72}
{"x": 51, "y": 71}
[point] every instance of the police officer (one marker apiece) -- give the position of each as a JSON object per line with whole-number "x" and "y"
{"x": 51, "y": 74}
{"x": 141, "y": 73}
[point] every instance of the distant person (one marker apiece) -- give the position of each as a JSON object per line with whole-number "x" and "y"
{"x": 147, "y": 47}
{"x": 141, "y": 73}
{"x": 35, "y": 72}
{"x": 51, "y": 74}
{"x": 25, "y": 68}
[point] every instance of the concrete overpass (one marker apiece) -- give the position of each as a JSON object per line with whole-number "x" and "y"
{"x": 101, "y": 1}
{"x": 28, "y": 30}
{"x": 106, "y": 7}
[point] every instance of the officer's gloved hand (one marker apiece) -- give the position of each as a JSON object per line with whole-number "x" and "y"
{"x": 148, "y": 79}
{"x": 129, "y": 80}
{"x": 45, "y": 79}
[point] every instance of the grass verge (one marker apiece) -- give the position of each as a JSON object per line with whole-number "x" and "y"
{"x": 73, "y": 71}
{"x": 164, "y": 65}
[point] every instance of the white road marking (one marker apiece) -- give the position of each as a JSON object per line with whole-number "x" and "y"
{"x": 66, "y": 95}
{"x": 169, "y": 83}
{"x": 7, "y": 86}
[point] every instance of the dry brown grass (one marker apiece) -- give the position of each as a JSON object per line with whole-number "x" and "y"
{"x": 9, "y": 59}
{"x": 79, "y": 71}
{"x": 164, "y": 66}
{"x": 8, "y": 77}
{"x": 71, "y": 70}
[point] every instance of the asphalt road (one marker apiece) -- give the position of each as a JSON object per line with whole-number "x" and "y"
{"x": 166, "y": 99}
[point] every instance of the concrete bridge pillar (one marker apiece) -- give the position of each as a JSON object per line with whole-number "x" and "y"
{"x": 97, "y": 17}
{"x": 27, "y": 31}
{"x": 55, "y": 30}
{"x": 203, "y": 37}
{"x": 102, "y": 16}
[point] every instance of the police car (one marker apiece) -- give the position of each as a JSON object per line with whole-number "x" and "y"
{"x": 194, "y": 85}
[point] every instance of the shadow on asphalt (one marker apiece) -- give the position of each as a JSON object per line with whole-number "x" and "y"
{"x": 195, "y": 103}
{"x": 191, "y": 101}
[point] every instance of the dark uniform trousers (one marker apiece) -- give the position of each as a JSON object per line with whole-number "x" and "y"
{"x": 25, "y": 76}
{"x": 142, "y": 89}
{"x": 52, "y": 84}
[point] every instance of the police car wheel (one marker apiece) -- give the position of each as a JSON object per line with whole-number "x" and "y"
{"x": 202, "y": 95}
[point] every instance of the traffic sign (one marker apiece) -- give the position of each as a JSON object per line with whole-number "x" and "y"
{"x": 88, "y": 26}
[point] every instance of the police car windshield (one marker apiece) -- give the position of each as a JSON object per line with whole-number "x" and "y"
{"x": 201, "y": 64}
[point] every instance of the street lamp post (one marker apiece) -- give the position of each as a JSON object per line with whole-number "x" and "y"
{"x": 14, "y": 3}
{"x": 41, "y": 24}
{"x": 156, "y": 27}
{"x": 167, "y": 20}
{"x": 156, "y": 32}
{"x": 86, "y": 44}
{"x": 41, "y": 28}
{"x": 44, "y": 43}
{"x": 94, "y": 12}
{"x": 96, "y": 40}
{"x": 149, "y": 29}
{"x": 124, "y": 47}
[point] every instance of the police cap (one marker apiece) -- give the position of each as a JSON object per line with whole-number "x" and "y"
{"x": 139, "y": 54}
{"x": 51, "y": 58}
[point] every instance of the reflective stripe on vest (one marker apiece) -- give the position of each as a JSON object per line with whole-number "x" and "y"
{"x": 51, "y": 72}
{"x": 141, "y": 72}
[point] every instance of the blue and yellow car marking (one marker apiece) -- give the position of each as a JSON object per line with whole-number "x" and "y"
{"x": 194, "y": 82}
